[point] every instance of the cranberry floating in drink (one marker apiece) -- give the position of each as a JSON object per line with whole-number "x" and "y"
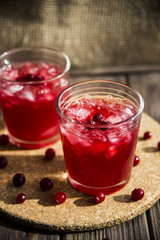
{"x": 30, "y": 81}
{"x": 99, "y": 122}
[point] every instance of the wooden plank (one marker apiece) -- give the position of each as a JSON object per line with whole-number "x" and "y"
{"x": 138, "y": 69}
{"x": 149, "y": 87}
{"x": 12, "y": 234}
{"x": 153, "y": 217}
{"x": 81, "y": 78}
{"x": 92, "y": 235}
{"x": 134, "y": 229}
{"x": 37, "y": 236}
{"x": 9, "y": 234}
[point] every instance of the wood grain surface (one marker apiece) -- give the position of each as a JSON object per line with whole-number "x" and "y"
{"x": 145, "y": 226}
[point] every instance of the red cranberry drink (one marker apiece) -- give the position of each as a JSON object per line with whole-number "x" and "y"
{"x": 30, "y": 81}
{"x": 99, "y": 123}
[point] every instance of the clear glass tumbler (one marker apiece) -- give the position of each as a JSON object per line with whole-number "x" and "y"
{"x": 31, "y": 78}
{"x": 99, "y": 123}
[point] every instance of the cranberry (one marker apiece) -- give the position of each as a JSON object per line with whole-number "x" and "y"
{"x": 21, "y": 197}
{"x": 46, "y": 184}
{"x": 90, "y": 122}
{"x": 136, "y": 161}
{"x": 158, "y": 146}
{"x": 99, "y": 197}
{"x": 30, "y": 77}
{"x": 60, "y": 197}
{"x": 137, "y": 194}
{"x": 104, "y": 123}
{"x": 147, "y": 135}
{"x": 50, "y": 153}
{"x": 97, "y": 117}
{"x": 19, "y": 179}
{"x": 3, "y": 162}
{"x": 4, "y": 140}
{"x": 39, "y": 78}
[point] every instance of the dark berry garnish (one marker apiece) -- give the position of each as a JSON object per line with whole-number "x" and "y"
{"x": 158, "y": 146}
{"x": 98, "y": 117}
{"x": 46, "y": 184}
{"x": 50, "y": 154}
{"x": 60, "y": 197}
{"x": 3, "y": 162}
{"x": 4, "y": 140}
{"x": 30, "y": 77}
{"x": 147, "y": 135}
{"x": 21, "y": 197}
{"x": 99, "y": 197}
{"x": 39, "y": 78}
{"x": 91, "y": 123}
{"x": 136, "y": 161}
{"x": 104, "y": 123}
{"x": 19, "y": 179}
{"x": 137, "y": 194}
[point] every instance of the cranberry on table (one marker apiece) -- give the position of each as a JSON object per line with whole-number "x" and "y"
{"x": 158, "y": 146}
{"x": 60, "y": 197}
{"x": 4, "y": 140}
{"x": 99, "y": 197}
{"x": 136, "y": 161}
{"x": 147, "y": 135}
{"x": 50, "y": 154}
{"x": 19, "y": 179}
{"x": 3, "y": 162}
{"x": 137, "y": 194}
{"x": 21, "y": 197}
{"x": 46, "y": 184}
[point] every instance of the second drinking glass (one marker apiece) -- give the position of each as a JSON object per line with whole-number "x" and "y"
{"x": 30, "y": 81}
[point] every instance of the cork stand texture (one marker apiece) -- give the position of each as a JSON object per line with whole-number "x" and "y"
{"x": 78, "y": 213}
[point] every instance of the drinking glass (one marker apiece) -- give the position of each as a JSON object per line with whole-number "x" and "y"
{"x": 99, "y": 122}
{"x": 31, "y": 78}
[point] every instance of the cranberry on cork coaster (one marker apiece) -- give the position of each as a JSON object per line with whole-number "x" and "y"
{"x": 78, "y": 212}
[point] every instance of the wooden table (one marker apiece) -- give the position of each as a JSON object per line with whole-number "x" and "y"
{"x": 146, "y": 79}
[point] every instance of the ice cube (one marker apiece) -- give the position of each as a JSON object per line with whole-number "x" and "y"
{"x": 128, "y": 111}
{"x": 82, "y": 114}
{"x": 63, "y": 82}
{"x": 110, "y": 151}
{"x": 28, "y": 95}
{"x": 14, "y": 88}
{"x": 52, "y": 71}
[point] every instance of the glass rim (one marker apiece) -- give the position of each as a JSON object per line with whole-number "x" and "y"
{"x": 108, "y": 126}
{"x": 14, "y": 50}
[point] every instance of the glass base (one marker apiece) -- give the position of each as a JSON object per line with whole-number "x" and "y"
{"x": 93, "y": 190}
{"x": 35, "y": 144}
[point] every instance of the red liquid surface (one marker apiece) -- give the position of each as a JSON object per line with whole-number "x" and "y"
{"x": 99, "y": 158}
{"x": 29, "y": 109}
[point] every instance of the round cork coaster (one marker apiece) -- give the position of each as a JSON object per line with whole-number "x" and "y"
{"x": 79, "y": 212}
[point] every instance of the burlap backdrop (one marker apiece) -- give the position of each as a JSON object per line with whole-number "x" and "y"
{"x": 94, "y": 33}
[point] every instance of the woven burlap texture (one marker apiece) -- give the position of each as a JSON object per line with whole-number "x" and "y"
{"x": 93, "y": 33}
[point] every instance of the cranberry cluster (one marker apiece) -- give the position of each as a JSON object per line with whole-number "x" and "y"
{"x": 30, "y": 77}
{"x": 46, "y": 183}
{"x": 97, "y": 119}
{"x": 19, "y": 179}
